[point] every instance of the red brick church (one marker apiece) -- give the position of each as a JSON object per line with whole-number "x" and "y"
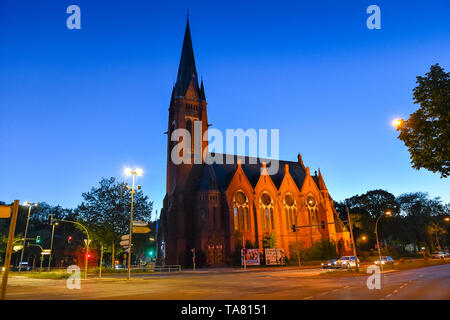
{"x": 212, "y": 207}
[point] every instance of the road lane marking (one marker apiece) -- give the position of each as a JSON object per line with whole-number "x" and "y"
{"x": 307, "y": 298}
{"x": 346, "y": 287}
{"x": 390, "y": 294}
{"x": 395, "y": 291}
{"x": 324, "y": 293}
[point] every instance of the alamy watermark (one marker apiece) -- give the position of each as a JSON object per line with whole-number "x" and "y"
{"x": 73, "y": 281}
{"x": 220, "y": 149}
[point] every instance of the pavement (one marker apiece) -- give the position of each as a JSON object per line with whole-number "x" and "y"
{"x": 280, "y": 284}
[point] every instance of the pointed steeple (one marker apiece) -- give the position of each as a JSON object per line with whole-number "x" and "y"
{"x": 321, "y": 182}
{"x": 187, "y": 71}
{"x": 202, "y": 92}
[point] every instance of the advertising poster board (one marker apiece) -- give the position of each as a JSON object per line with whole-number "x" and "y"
{"x": 274, "y": 256}
{"x": 251, "y": 257}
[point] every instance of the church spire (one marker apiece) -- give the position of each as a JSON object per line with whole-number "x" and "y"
{"x": 187, "y": 71}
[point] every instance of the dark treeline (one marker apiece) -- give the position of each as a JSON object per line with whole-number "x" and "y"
{"x": 418, "y": 223}
{"x": 104, "y": 211}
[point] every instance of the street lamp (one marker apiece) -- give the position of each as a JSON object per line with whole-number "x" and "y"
{"x": 387, "y": 213}
{"x": 397, "y": 122}
{"x": 128, "y": 172}
{"x": 51, "y": 243}
{"x": 29, "y": 205}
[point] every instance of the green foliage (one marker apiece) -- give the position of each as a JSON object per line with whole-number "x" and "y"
{"x": 321, "y": 250}
{"x": 426, "y": 133}
{"x": 105, "y": 211}
{"x": 269, "y": 240}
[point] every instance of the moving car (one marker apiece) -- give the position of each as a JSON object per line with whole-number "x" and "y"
{"x": 330, "y": 264}
{"x": 346, "y": 262}
{"x": 385, "y": 260}
{"x": 438, "y": 255}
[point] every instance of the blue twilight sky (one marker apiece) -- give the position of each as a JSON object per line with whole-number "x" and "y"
{"x": 79, "y": 105}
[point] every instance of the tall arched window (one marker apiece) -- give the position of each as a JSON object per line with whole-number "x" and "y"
{"x": 290, "y": 210}
{"x": 241, "y": 211}
{"x": 266, "y": 211}
{"x": 313, "y": 212}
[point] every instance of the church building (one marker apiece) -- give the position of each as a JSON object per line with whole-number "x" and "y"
{"x": 217, "y": 207}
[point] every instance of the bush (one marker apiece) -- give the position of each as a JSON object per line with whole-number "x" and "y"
{"x": 321, "y": 250}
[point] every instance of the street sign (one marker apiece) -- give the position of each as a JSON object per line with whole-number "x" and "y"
{"x": 5, "y": 212}
{"x": 45, "y": 251}
{"x": 125, "y": 243}
{"x": 141, "y": 230}
{"x": 85, "y": 241}
{"x": 125, "y": 237}
{"x": 139, "y": 224}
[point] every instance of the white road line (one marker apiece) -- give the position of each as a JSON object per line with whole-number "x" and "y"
{"x": 395, "y": 291}
{"x": 307, "y": 298}
{"x": 346, "y": 287}
{"x": 390, "y": 294}
{"x": 324, "y": 293}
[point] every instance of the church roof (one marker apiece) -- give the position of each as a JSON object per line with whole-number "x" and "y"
{"x": 252, "y": 168}
{"x": 187, "y": 71}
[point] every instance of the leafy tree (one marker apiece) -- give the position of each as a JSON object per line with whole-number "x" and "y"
{"x": 105, "y": 211}
{"x": 427, "y": 131}
{"x": 321, "y": 250}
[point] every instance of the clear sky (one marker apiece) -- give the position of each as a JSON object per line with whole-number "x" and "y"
{"x": 79, "y": 105}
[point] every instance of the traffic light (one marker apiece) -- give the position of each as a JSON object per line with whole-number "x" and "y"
{"x": 294, "y": 229}
{"x": 244, "y": 251}
{"x": 69, "y": 239}
{"x": 89, "y": 255}
{"x": 150, "y": 253}
{"x": 323, "y": 224}
{"x": 38, "y": 239}
{"x": 50, "y": 219}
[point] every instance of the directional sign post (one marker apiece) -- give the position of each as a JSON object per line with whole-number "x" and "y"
{"x": 5, "y": 212}
{"x": 8, "y": 253}
{"x": 141, "y": 230}
{"x": 139, "y": 224}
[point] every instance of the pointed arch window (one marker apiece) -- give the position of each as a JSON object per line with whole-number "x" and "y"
{"x": 241, "y": 211}
{"x": 266, "y": 212}
{"x": 313, "y": 212}
{"x": 290, "y": 210}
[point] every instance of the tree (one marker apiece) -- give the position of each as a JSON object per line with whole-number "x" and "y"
{"x": 427, "y": 131}
{"x": 269, "y": 240}
{"x": 105, "y": 211}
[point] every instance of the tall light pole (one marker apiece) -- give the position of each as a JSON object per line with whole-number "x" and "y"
{"x": 135, "y": 172}
{"x": 26, "y": 230}
{"x": 51, "y": 243}
{"x": 387, "y": 213}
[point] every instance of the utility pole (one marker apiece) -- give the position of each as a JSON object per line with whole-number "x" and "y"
{"x": 51, "y": 243}
{"x": 25, "y": 235}
{"x": 101, "y": 262}
{"x": 353, "y": 240}
{"x": 12, "y": 229}
{"x": 244, "y": 253}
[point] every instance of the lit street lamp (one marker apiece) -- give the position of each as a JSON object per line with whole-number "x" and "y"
{"x": 135, "y": 172}
{"x": 51, "y": 243}
{"x": 387, "y": 213}
{"x": 26, "y": 230}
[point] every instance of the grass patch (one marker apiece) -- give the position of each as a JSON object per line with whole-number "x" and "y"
{"x": 42, "y": 275}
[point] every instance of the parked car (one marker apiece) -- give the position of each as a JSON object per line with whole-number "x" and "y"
{"x": 346, "y": 262}
{"x": 385, "y": 260}
{"x": 438, "y": 255}
{"x": 330, "y": 264}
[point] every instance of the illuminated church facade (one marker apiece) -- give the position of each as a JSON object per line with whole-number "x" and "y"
{"x": 214, "y": 207}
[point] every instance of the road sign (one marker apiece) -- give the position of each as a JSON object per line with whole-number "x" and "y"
{"x": 141, "y": 230}
{"x": 45, "y": 251}
{"x": 139, "y": 224}
{"x": 85, "y": 241}
{"x": 5, "y": 212}
{"x": 125, "y": 243}
{"x": 125, "y": 237}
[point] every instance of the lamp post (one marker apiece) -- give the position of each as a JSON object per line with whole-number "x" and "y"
{"x": 42, "y": 256}
{"x": 51, "y": 244}
{"x": 26, "y": 230}
{"x": 135, "y": 172}
{"x": 387, "y": 213}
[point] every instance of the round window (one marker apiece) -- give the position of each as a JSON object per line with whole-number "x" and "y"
{"x": 265, "y": 199}
{"x": 240, "y": 197}
{"x": 311, "y": 201}
{"x": 289, "y": 200}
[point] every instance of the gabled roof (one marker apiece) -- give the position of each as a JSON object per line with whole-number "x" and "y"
{"x": 252, "y": 168}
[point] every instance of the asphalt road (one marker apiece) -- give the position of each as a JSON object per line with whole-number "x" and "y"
{"x": 424, "y": 283}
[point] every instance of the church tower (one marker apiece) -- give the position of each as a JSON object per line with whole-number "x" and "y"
{"x": 187, "y": 110}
